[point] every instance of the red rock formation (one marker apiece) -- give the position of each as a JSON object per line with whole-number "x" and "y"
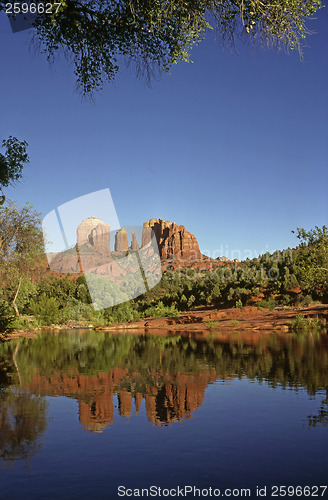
{"x": 173, "y": 240}
{"x": 178, "y": 248}
{"x": 65, "y": 262}
{"x": 121, "y": 240}
{"x": 92, "y": 250}
{"x": 85, "y": 229}
{"x": 100, "y": 239}
{"x": 134, "y": 243}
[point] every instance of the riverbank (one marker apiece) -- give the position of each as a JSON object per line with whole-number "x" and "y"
{"x": 249, "y": 318}
{"x": 245, "y": 318}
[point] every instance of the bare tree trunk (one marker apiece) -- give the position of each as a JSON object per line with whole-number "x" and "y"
{"x": 16, "y": 294}
{"x": 15, "y": 362}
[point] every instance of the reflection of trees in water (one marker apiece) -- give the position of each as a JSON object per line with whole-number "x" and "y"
{"x": 151, "y": 363}
{"x": 289, "y": 361}
{"x": 6, "y": 368}
{"x": 322, "y": 415}
{"x": 22, "y": 420}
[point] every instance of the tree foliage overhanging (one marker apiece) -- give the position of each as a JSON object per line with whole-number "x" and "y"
{"x": 12, "y": 162}
{"x": 100, "y": 34}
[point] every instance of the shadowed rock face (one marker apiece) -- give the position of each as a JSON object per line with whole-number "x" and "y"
{"x": 172, "y": 240}
{"x": 90, "y": 229}
{"x": 95, "y": 232}
{"x": 134, "y": 243}
{"x": 100, "y": 239}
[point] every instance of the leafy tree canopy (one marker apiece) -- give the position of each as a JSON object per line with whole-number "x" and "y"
{"x": 21, "y": 244}
{"x": 12, "y": 162}
{"x": 313, "y": 257}
{"x": 99, "y": 34}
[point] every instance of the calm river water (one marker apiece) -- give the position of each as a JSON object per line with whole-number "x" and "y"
{"x": 87, "y": 415}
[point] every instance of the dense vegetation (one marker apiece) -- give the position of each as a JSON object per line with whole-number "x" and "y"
{"x": 289, "y": 277}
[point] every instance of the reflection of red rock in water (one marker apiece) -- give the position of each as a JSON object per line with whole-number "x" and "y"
{"x": 96, "y": 416}
{"x": 173, "y": 398}
{"x": 125, "y": 403}
{"x": 178, "y": 398}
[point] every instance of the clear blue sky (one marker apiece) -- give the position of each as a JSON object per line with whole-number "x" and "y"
{"x": 232, "y": 146}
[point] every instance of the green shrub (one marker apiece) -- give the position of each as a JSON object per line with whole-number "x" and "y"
{"x": 285, "y": 300}
{"x": 121, "y": 313}
{"x": 212, "y": 324}
{"x": 161, "y": 311}
{"x": 24, "y": 322}
{"x": 234, "y": 322}
{"x": 306, "y": 301}
{"x": 46, "y": 309}
{"x": 78, "y": 311}
{"x": 98, "y": 318}
{"x": 7, "y": 317}
{"x": 300, "y": 323}
{"x": 267, "y": 304}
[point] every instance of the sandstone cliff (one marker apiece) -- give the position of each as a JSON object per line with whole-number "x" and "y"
{"x": 173, "y": 240}
{"x": 93, "y": 246}
{"x": 178, "y": 248}
{"x": 121, "y": 240}
{"x": 86, "y": 230}
{"x": 134, "y": 243}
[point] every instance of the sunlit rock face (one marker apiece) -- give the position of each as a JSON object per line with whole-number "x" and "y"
{"x": 172, "y": 240}
{"x": 100, "y": 239}
{"x": 84, "y": 230}
{"x": 177, "y": 248}
{"x": 95, "y": 232}
{"x": 121, "y": 240}
{"x": 93, "y": 245}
